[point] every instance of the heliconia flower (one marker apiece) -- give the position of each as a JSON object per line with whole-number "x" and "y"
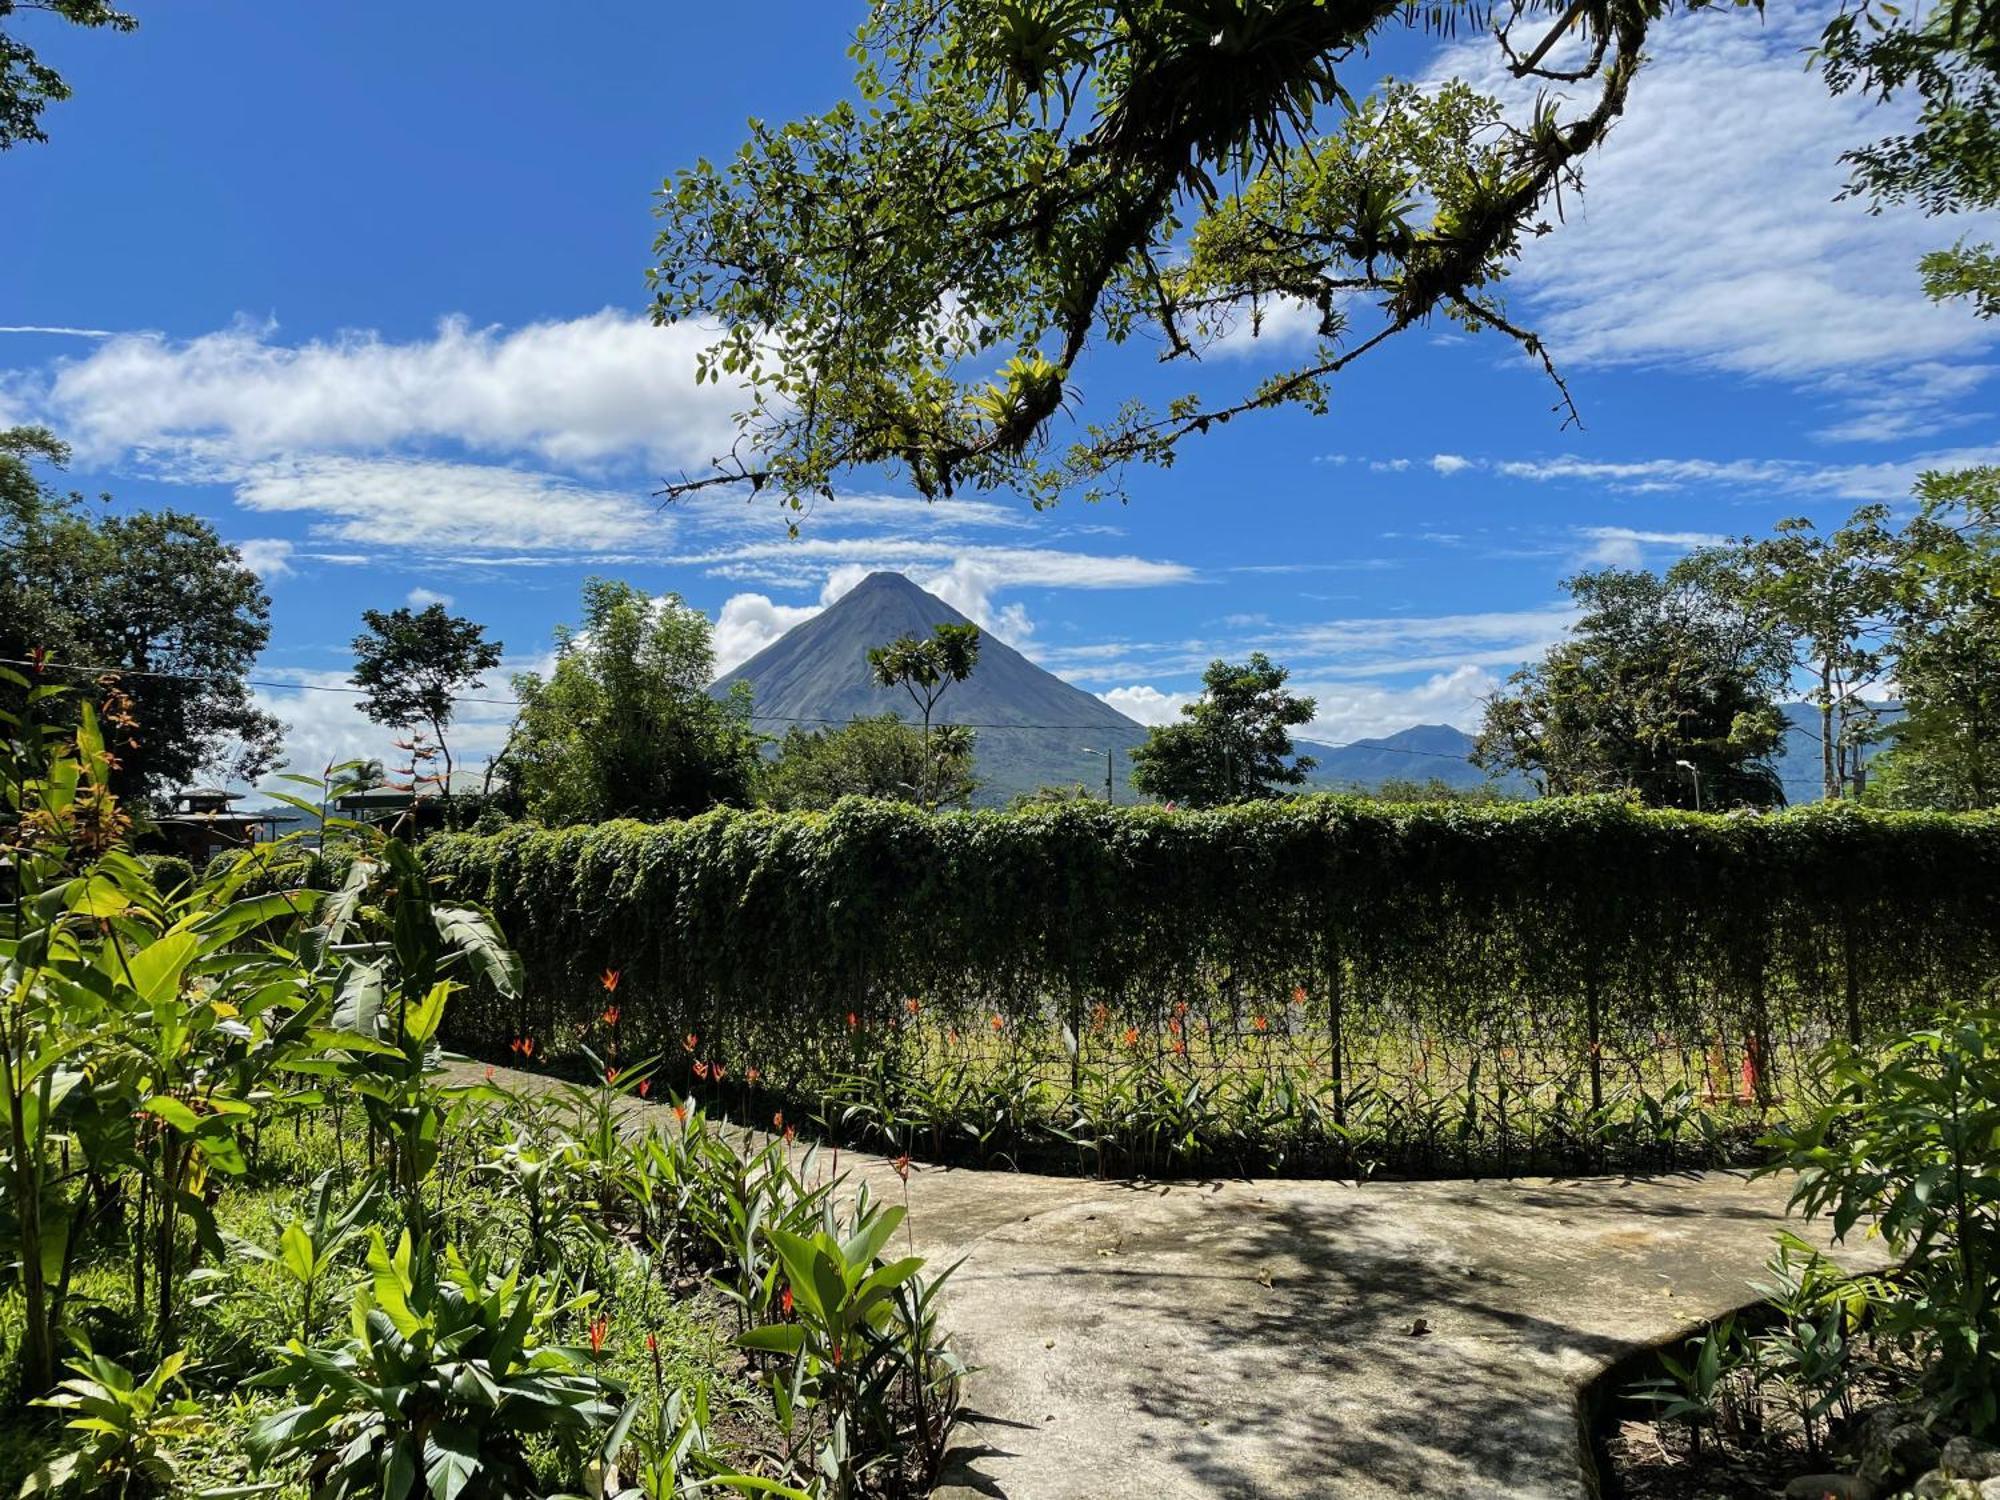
{"x": 1131, "y": 1036}
{"x": 1180, "y": 1049}
{"x": 701, "y": 1070}
{"x": 778, "y": 1120}
{"x": 998, "y": 1024}
{"x": 1258, "y": 1023}
{"x": 911, "y": 1006}
{"x": 611, "y": 1015}
{"x": 852, "y": 1020}
{"x": 720, "y": 1072}
{"x": 753, "y": 1074}
{"x": 1298, "y": 994}
{"x": 902, "y": 1166}
{"x": 598, "y": 1332}
{"x": 680, "y": 1114}
{"x": 1174, "y": 1027}
{"x": 611, "y": 1075}
{"x": 785, "y": 1302}
{"x": 489, "y": 1072}
{"x": 791, "y": 1134}
{"x": 689, "y": 1042}
{"x": 645, "y": 1087}
{"x": 527, "y": 1046}
{"x": 515, "y": 1046}
{"x": 652, "y": 1344}
{"x": 38, "y": 655}
{"x": 610, "y": 980}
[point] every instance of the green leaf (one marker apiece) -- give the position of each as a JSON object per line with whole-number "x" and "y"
{"x": 451, "y": 1458}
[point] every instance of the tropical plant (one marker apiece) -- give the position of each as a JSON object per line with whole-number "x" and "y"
{"x": 310, "y": 1247}
{"x": 125, "y": 1429}
{"x": 446, "y": 1376}
{"x": 1907, "y": 1146}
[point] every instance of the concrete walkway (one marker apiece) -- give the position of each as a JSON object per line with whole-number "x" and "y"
{"x": 1268, "y": 1339}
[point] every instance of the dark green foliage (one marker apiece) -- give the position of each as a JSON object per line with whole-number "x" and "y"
{"x": 413, "y": 665}
{"x": 156, "y": 595}
{"x": 27, "y": 84}
{"x": 876, "y": 757}
{"x": 1665, "y": 687}
{"x": 624, "y": 726}
{"x": 171, "y": 873}
{"x": 1236, "y": 745}
{"x": 1587, "y": 937}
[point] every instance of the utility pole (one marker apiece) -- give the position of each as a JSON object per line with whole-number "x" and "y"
{"x": 1692, "y": 770}
{"x": 1109, "y": 799}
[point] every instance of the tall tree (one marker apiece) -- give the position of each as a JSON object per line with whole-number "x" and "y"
{"x": 1236, "y": 745}
{"x": 27, "y": 84}
{"x": 1945, "y": 749}
{"x": 926, "y": 669}
{"x": 1664, "y": 687}
{"x": 881, "y": 757}
{"x": 624, "y": 727}
{"x": 1828, "y": 595}
{"x": 412, "y": 665}
{"x": 155, "y": 596}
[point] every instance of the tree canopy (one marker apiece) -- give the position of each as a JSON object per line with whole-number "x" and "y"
{"x": 155, "y": 596}
{"x": 412, "y": 664}
{"x": 1665, "y": 687}
{"x": 881, "y": 757}
{"x": 27, "y": 84}
{"x": 914, "y": 280}
{"x": 1236, "y": 745}
{"x": 624, "y": 727}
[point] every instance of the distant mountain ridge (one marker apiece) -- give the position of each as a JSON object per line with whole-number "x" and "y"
{"x": 1031, "y": 728}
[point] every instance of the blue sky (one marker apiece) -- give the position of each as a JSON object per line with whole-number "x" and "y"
{"x": 365, "y": 285}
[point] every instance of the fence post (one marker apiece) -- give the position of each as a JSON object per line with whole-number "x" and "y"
{"x": 1334, "y": 1024}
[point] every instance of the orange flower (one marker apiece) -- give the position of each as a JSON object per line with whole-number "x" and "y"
{"x": 610, "y": 980}
{"x": 489, "y": 1072}
{"x": 911, "y": 1006}
{"x": 998, "y": 1024}
{"x": 852, "y": 1020}
{"x": 753, "y": 1074}
{"x": 902, "y": 1166}
{"x": 1131, "y": 1036}
{"x": 680, "y": 1114}
{"x": 791, "y": 1134}
{"x": 1298, "y": 994}
{"x": 527, "y": 1046}
{"x": 785, "y": 1302}
{"x": 689, "y": 1042}
{"x": 515, "y": 1046}
{"x": 1180, "y": 1048}
{"x": 778, "y": 1120}
{"x": 611, "y": 1075}
{"x": 645, "y": 1087}
{"x": 652, "y": 1344}
{"x": 1174, "y": 1027}
{"x": 611, "y": 1015}
{"x": 1258, "y": 1023}
{"x": 598, "y": 1332}
{"x": 701, "y": 1070}
{"x": 720, "y": 1072}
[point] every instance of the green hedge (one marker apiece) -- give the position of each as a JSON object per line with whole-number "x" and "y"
{"x": 1561, "y": 924}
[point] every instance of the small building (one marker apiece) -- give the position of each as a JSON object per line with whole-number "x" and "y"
{"x": 386, "y": 801}
{"x": 204, "y": 821}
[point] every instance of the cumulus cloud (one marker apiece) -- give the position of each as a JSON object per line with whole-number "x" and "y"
{"x": 1449, "y": 464}
{"x": 423, "y": 598}
{"x": 1148, "y": 704}
{"x": 580, "y": 391}
{"x": 747, "y": 623}
{"x": 1364, "y": 711}
{"x": 1626, "y": 546}
{"x": 268, "y": 557}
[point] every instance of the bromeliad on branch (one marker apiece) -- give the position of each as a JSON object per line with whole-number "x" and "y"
{"x": 912, "y": 281}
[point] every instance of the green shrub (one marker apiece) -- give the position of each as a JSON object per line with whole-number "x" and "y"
{"x": 170, "y": 873}
{"x": 1577, "y": 930}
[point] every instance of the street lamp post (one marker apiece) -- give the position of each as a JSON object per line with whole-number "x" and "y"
{"x": 1694, "y": 771}
{"x": 1092, "y": 750}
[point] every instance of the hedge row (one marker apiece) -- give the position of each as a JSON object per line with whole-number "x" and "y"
{"x": 1566, "y": 923}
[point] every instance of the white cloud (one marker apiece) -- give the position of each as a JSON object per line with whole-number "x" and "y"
{"x": 324, "y": 725}
{"x": 1449, "y": 464}
{"x": 423, "y": 598}
{"x": 1625, "y": 547}
{"x": 1708, "y": 233}
{"x": 747, "y": 623}
{"x": 58, "y": 330}
{"x": 444, "y": 506}
{"x": 584, "y": 391}
{"x": 1274, "y": 325}
{"x": 1148, "y": 704}
{"x": 268, "y": 557}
